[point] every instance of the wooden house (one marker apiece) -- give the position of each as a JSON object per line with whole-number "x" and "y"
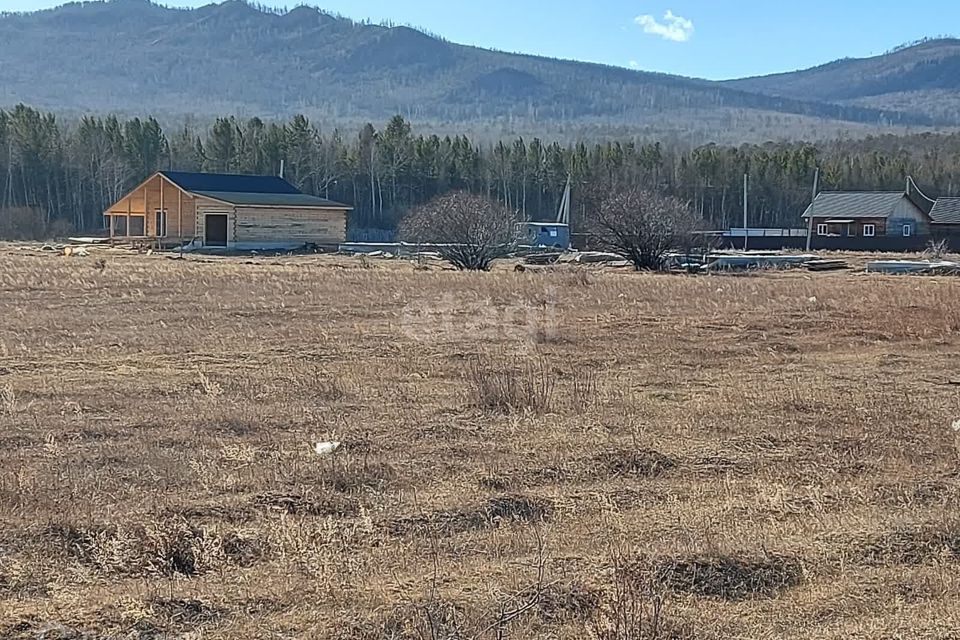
{"x": 870, "y": 214}
{"x": 945, "y": 216}
{"x": 229, "y": 211}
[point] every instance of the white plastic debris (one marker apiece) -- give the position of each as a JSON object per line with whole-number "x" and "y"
{"x": 326, "y": 448}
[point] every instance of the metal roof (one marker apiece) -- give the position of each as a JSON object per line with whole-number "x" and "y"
{"x": 946, "y": 211}
{"x": 247, "y": 190}
{"x": 272, "y": 199}
{"x": 854, "y": 204}
{"x": 229, "y": 182}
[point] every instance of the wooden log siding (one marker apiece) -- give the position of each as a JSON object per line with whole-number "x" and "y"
{"x": 206, "y": 207}
{"x": 270, "y": 224}
{"x": 146, "y": 200}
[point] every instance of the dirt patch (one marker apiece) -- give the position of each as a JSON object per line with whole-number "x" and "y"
{"x": 494, "y": 513}
{"x": 911, "y": 545}
{"x": 730, "y": 578}
{"x": 305, "y": 504}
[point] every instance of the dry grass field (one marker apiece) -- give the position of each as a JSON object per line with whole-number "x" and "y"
{"x": 573, "y": 454}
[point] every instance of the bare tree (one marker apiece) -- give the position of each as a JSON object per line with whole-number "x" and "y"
{"x": 470, "y": 231}
{"x": 642, "y": 226}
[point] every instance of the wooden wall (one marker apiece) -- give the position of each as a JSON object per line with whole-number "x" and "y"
{"x": 146, "y": 199}
{"x": 205, "y": 206}
{"x": 275, "y": 224}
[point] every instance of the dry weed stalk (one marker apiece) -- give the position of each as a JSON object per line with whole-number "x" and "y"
{"x": 8, "y": 401}
{"x": 507, "y": 386}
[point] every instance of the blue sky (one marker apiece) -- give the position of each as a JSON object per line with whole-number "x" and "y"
{"x": 706, "y": 38}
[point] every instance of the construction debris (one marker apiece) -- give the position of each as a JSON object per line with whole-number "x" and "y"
{"x": 88, "y": 240}
{"x": 827, "y": 265}
{"x": 325, "y": 448}
{"x": 542, "y": 258}
{"x": 756, "y": 261}
{"x": 595, "y": 257}
{"x": 919, "y": 267}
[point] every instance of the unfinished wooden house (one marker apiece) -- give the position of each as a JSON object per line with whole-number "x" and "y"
{"x": 172, "y": 208}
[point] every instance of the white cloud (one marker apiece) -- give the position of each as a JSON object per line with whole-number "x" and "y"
{"x": 673, "y": 27}
{"x": 634, "y": 64}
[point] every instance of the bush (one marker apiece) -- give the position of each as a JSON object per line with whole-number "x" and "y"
{"x": 470, "y": 231}
{"x": 511, "y": 387}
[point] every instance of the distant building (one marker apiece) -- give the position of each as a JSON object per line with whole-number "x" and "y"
{"x": 870, "y": 214}
{"x": 545, "y": 234}
{"x": 945, "y": 216}
{"x": 229, "y": 211}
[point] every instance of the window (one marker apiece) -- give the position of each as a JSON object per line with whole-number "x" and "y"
{"x": 823, "y": 229}
{"x": 119, "y": 225}
{"x": 137, "y": 227}
{"x": 907, "y": 230}
{"x": 869, "y": 230}
{"x": 161, "y": 219}
{"x": 553, "y": 233}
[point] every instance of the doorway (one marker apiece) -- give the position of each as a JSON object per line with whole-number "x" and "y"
{"x": 216, "y": 230}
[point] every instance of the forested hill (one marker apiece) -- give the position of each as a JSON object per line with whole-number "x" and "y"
{"x": 135, "y": 57}
{"x": 923, "y": 78}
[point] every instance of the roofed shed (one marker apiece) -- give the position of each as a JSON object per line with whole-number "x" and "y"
{"x": 230, "y": 211}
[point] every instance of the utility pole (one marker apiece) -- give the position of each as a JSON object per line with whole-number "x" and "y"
{"x": 746, "y": 231}
{"x": 816, "y": 189}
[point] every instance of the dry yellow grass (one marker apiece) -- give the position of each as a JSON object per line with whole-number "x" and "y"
{"x": 764, "y": 456}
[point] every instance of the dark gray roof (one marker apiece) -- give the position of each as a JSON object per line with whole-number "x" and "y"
{"x": 272, "y": 199}
{"x": 946, "y": 211}
{"x": 267, "y": 191}
{"x": 229, "y": 183}
{"x": 854, "y": 204}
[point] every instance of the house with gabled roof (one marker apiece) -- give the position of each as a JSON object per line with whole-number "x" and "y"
{"x": 945, "y": 216}
{"x": 227, "y": 211}
{"x": 870, "y": 214}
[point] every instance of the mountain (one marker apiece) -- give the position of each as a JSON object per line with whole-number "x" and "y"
{"x": 136, "y": 57}
{"x": 919, "y": 79}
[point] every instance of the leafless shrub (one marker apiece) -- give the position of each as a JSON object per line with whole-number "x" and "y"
{"x": 729, "y": 577}
{"x": 936, "y": 249}
{"x": 632, "y": 608}
{"x": 583, "y": 390}
{"x": 470, "y": 231}
{"x": 642, "y": 226}
{"x": 511, "y": 387}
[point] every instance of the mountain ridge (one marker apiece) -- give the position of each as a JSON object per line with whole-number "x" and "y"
{"x": 234, "y": 57}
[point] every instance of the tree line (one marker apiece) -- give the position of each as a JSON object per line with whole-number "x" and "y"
{"x": 64, "y": 174}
